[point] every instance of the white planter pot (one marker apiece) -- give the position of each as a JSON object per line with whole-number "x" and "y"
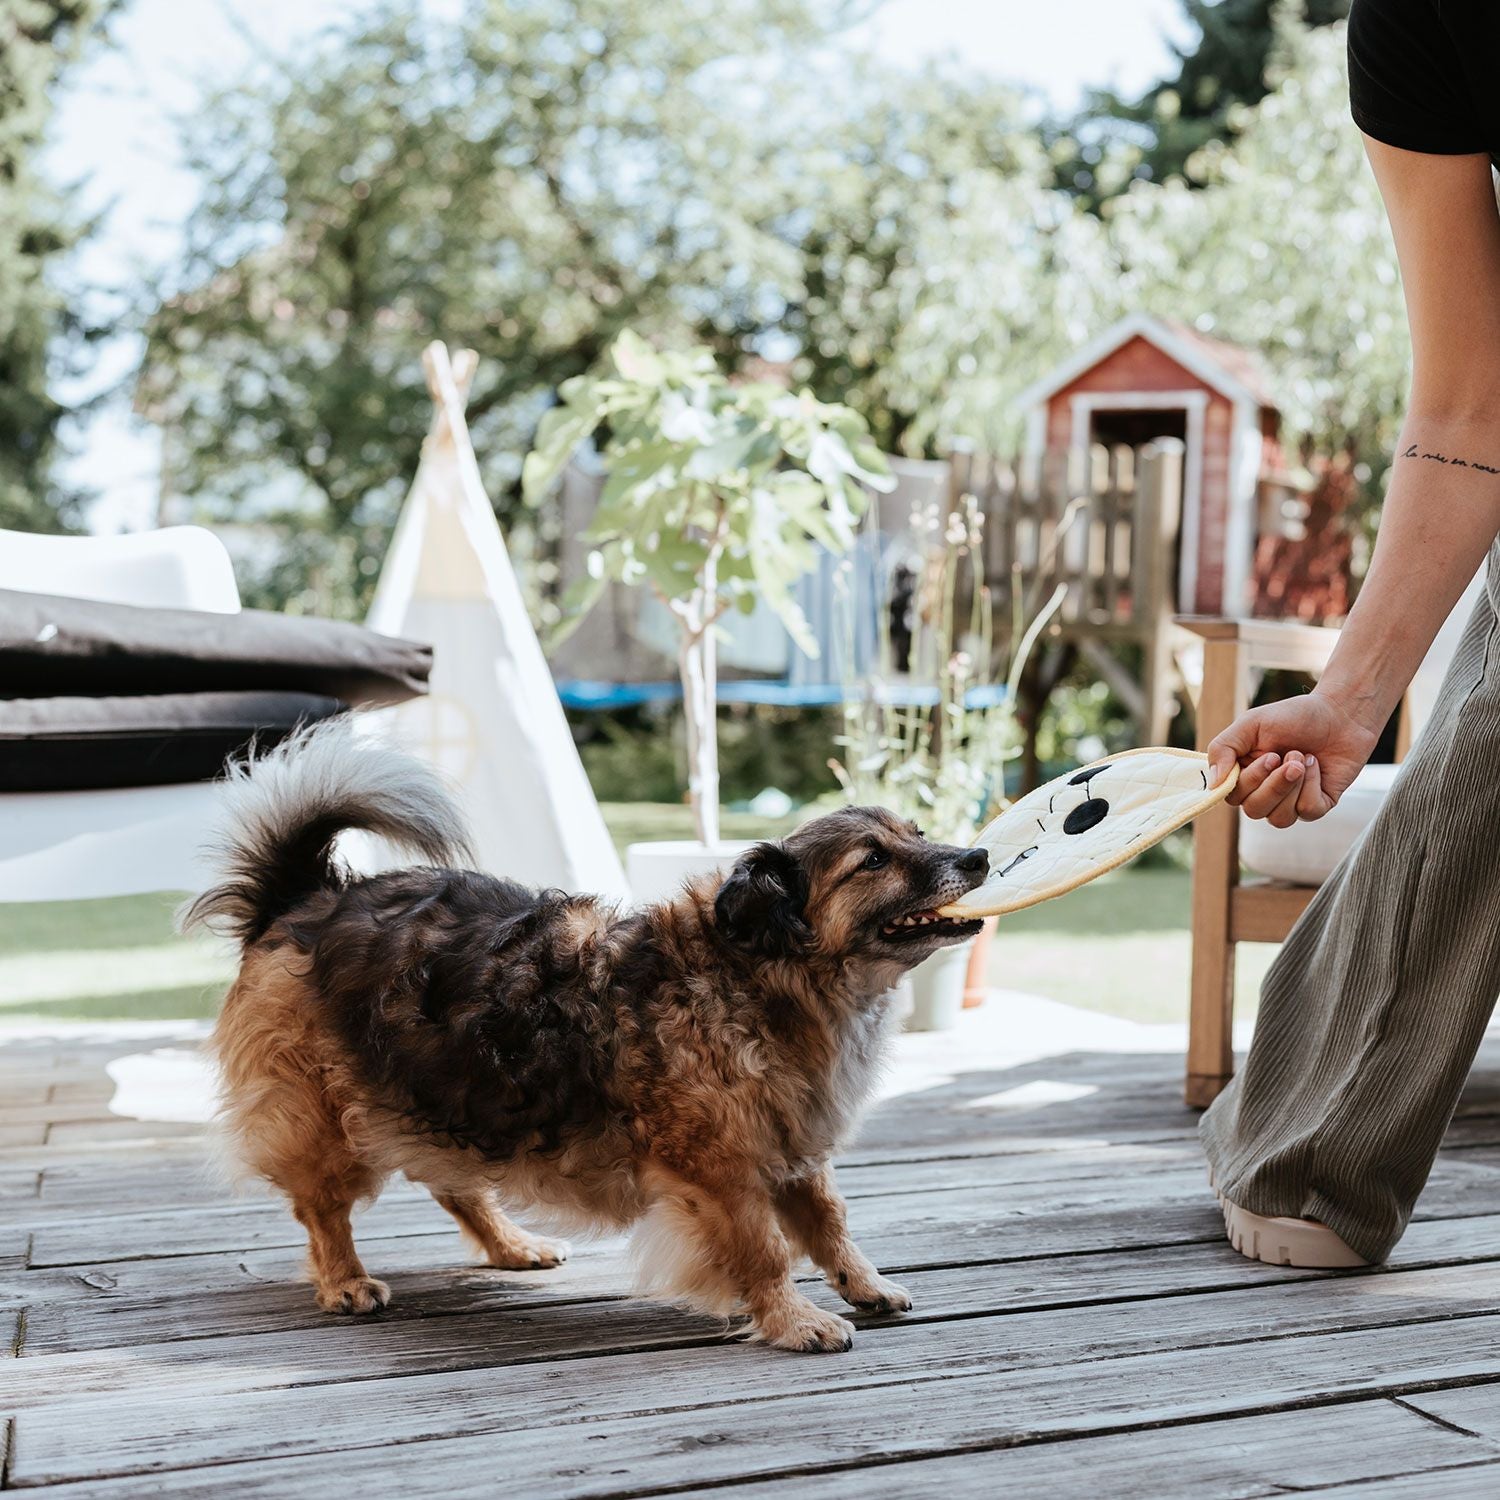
{"x": 656, "y": 871}
{"x": 919, "y": 482}
{"x": 937, "y": 989}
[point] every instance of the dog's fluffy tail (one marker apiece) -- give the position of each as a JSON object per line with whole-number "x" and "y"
{"x": 285, "y": 809}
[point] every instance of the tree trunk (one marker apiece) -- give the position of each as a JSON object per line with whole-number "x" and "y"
{"x": 698, "y": 664}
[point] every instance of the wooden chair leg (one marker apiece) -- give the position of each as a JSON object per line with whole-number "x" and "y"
{"x": 1210, "y": 1057}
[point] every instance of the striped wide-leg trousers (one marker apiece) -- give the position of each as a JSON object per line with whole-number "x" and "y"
{"x": 1373, "y": 1010}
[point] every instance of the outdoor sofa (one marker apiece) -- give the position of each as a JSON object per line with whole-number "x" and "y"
{"x": 128, "y": 675}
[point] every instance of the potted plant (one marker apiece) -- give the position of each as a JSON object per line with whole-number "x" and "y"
{"x": 717, "y": 493}
{"x": 931, "y": 742}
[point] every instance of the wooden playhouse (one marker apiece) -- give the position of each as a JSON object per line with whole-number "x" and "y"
{"x": 1148, "y": 378}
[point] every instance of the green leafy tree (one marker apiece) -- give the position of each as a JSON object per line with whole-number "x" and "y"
{"x": 1283, "y": 247}
{"x": 989, "y": 296}
{"x": 717, "y": 494}
{"x": 925, "y": 199}
{"x": 527, "y": 182}
{"x": 1286, "y": 250}
{"x": 37, "y": 39}
{"x": 1157, "y": 135}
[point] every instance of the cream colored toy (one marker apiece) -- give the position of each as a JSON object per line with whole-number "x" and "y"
{"x": 1072, "y": 829}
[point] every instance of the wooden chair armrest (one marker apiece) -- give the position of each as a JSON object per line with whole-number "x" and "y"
{"x": 1281, "y": 644}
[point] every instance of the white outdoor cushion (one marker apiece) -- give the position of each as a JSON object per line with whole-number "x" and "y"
{"x": 1306, "y": 853}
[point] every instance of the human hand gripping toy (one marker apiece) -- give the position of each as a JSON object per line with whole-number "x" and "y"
{"x": 1085, "y": 823}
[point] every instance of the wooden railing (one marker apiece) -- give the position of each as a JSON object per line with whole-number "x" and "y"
{"x": 1104, "y": 525}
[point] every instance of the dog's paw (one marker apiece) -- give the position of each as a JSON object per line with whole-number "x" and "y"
{"x": 874, "y": 1293}
{"x": 528, "y": 1253}
{"x": 807, "y": 1329}
{"x": 360, "y": 1294}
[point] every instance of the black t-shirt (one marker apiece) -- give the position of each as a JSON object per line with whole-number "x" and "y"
{"x": 1424, "y": 75}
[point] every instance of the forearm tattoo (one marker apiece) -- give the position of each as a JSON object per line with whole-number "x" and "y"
{"x": 1453, "y": 463}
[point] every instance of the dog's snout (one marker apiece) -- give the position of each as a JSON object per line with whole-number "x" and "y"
{"x": 973, "y": 861}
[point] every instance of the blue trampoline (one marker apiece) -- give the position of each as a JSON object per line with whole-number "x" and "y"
{"x": 585, "y": 694}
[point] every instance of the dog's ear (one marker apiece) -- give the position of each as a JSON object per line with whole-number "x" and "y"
{"x": 762, "y": 901}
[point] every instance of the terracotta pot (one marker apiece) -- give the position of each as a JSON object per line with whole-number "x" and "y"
{"x": 976, "y": 982}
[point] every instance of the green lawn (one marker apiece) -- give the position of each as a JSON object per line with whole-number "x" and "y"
{"x": 1119, "y": 945}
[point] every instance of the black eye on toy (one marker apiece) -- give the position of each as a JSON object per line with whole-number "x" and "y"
{"x": 1088, "y": 814}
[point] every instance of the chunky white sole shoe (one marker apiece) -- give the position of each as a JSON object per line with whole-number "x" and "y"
{"x": 1284, "y": 1242}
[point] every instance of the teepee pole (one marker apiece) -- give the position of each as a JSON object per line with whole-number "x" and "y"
{"x": 448, "y": 382}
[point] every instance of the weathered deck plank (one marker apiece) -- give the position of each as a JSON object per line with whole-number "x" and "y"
{"x": 134, "y": 1302}
{"x": 420, "y": 1382}
{"x": 1274, "y": 1453}
{"x": 1080, "y": 1326}
{"x": 1474, "y": 1408}
{"x": 736, "y": 1431}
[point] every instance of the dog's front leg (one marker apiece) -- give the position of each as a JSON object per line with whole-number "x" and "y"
{"x": 733, "y": 1230}
{"x": 813, "y": 1215}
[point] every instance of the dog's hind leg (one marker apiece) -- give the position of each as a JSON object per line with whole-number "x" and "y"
{"x": 504, "y": 1245}
{"x": 285, "y": 1093}
{"x": 813, "y": 1215}
{"x": 720, "y": 1243}
{"x": 339, "y": 1279}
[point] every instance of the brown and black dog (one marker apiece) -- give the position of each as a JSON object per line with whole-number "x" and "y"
{"x": 688, "y": 1069}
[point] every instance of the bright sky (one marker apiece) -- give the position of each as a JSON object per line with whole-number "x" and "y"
{"x": 114, "y": 130}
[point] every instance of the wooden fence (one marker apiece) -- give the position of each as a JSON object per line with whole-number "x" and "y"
{"x": 1105, "y": 527}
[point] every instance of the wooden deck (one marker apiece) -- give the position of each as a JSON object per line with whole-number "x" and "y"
{"x": 1081, "y": 1328}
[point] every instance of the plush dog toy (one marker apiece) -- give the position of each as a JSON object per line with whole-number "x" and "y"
{"x": 1078, "y": 826}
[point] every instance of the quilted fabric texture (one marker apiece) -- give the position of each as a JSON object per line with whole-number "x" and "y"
{"x": 1080, "y": 825}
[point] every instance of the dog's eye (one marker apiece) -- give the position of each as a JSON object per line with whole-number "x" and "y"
{"x": 875, "y": 858}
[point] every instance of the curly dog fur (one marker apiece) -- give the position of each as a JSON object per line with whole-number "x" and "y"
{"x": 688, "y": 1069}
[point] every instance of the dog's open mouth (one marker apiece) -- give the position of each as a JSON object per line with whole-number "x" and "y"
{"x": 928, "y": 924}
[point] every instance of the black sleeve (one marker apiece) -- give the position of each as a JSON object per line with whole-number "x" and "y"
{"x": 1406, "y": 79}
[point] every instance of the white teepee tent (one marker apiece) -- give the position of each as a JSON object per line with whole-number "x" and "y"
{"x": 492, "y": 720}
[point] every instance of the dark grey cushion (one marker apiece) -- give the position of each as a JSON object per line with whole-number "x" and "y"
{"x": 76, "y": 647}
{"x": 73, "y": 744}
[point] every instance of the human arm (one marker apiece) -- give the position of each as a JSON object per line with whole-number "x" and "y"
{"x": 1442, "y": 507}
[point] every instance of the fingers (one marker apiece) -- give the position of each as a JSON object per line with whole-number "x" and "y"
{"x": 1221, "y": 757}
{"x": 1312, "y": 801}
{"x": 1283, "y": 791}
{"x": 1226, "y": 748}
{"x": 1251, "y": 778}
{"x": 1274, "y": 798}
